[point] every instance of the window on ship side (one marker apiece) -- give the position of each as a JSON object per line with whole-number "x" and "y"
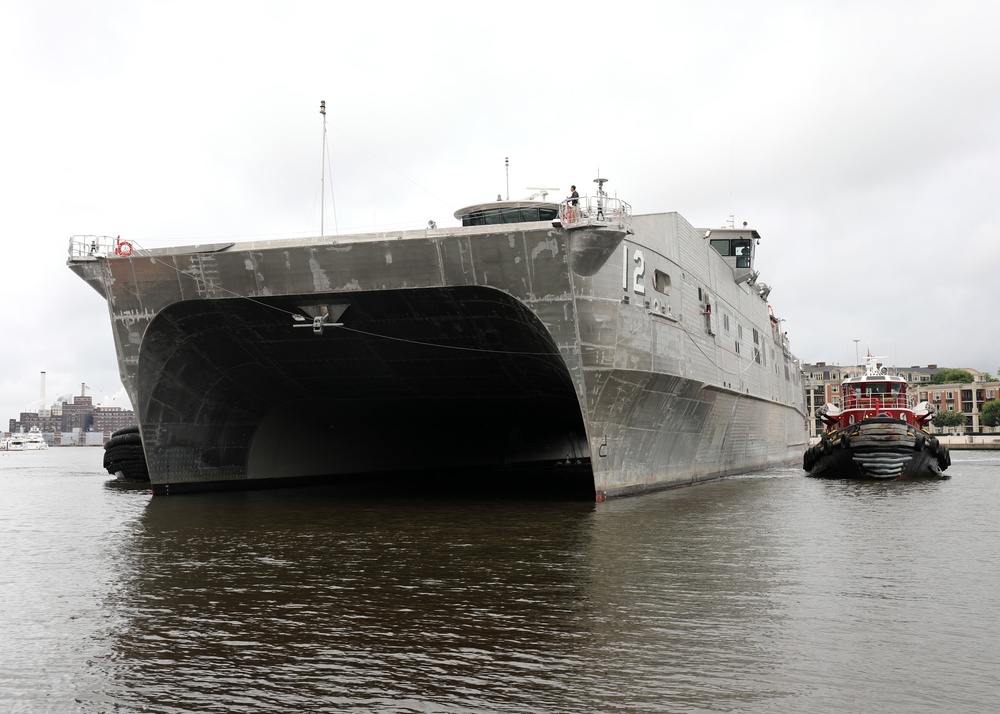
{"x": 661, "y": 282}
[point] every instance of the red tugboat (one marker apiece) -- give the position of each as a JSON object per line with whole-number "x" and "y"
{"x": 877, "y": 433}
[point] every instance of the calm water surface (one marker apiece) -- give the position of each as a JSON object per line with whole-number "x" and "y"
{"x": 766, "y": 593}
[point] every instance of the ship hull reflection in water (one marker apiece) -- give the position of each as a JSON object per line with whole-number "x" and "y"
{"x": 750, "y": 594}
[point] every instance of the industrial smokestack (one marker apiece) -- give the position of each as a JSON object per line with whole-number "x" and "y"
{"x": 41, "y": 406}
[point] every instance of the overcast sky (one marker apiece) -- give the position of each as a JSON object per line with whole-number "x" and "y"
{"x": 862, "y": 139}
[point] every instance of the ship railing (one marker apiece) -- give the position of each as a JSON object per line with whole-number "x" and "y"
{"x": 93, "y": 247}
{"x": 882, "y": 401}
{"x": 595, "y": 210}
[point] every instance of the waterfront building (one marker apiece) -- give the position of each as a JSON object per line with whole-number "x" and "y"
{"x": 77, "y": 414}
{"x": 74, "y": 422}
{"x": 47, "y": 423}
{"x": 111, "y": 419}
{"x": 967, "y": 398}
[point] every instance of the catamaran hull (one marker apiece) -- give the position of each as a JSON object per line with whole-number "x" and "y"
{"x": 513, "y": 355}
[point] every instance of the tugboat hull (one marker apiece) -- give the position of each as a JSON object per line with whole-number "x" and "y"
{"x": 880, "y": 448}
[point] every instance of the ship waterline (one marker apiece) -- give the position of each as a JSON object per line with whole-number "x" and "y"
{"x": 597, "y": 355}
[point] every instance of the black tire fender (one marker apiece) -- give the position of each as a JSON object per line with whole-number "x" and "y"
{"x": 944, "y": 458}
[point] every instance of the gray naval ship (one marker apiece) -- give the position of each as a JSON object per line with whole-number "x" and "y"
{"x": 566, "y": 347}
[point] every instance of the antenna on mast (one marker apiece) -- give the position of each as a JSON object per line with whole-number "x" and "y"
{"x": 322, "y": 175}
{"x": 506, "y": 167}
{"x": 322, "y": 182}
{"x": 601, "y": 196}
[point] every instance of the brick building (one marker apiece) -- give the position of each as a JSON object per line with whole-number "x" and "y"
{"x": 78, "y": 416}
{"x": 111, "y": 419}
{"x": 967, "y": 398}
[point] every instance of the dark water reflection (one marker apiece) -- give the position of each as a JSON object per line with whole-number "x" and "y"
{"x": 286, "y": 598}
{"x": 771, "y": 592}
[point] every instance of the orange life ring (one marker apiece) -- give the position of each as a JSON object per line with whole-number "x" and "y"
{"x": 124, "y": 249}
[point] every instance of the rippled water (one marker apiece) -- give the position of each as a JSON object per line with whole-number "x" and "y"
{"x": 766, "y": 593}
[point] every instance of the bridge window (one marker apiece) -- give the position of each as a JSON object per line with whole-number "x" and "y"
{"x": 722, "y": 246}
{"x": 509, "y": 214}
{"x": 742, "y": 250}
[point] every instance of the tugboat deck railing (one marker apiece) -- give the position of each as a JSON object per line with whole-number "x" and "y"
{"x": 884, "y": 401}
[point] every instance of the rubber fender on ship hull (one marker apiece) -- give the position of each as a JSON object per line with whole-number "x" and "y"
{"x": 128, "y": 439}
{"x": 124, "y": 454}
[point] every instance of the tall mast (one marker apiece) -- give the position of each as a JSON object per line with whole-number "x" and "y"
{"x": 322, "y": 176}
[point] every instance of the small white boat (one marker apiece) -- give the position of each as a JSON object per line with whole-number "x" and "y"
{"x": 30, "y": 441}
